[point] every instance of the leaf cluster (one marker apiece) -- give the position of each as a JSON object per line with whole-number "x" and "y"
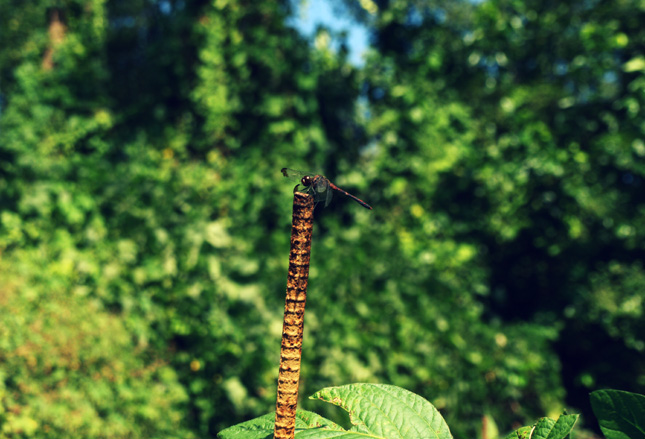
{"x": 389, "y": 412}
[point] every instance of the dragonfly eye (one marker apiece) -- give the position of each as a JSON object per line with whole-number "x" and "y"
{"x": 306, "y": 180}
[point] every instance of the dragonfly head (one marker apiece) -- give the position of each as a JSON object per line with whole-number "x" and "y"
{"x": 306, "y": 180}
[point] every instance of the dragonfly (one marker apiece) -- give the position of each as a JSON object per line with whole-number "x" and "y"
{"x": 320, "y": 187}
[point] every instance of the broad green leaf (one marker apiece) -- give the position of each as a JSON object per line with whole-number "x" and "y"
{"x": 546, "y": 428}
{"x": 621, "y": 415}
{"x": 385, "y": 411}
{"x": 262, "y": 427}
{"x": 542, "y": 428}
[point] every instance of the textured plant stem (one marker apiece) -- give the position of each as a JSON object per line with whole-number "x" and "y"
{"x": 294, "y": 316}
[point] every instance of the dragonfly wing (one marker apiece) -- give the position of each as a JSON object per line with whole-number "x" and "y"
{"x": 321, "y": 189}
{"x": 328, "y": 197}
{"x": 294, "y": 174}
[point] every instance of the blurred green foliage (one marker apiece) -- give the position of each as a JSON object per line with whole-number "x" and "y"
{"x": 71, "y": 369}
{"x": 144, "y": 224}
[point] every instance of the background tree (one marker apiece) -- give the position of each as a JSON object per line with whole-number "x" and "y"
{"x": 549, "y": 192}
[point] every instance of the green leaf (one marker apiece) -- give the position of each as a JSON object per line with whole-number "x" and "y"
{"x": 262, "y": 427}
{"x": 621, "y": 415}
{"x": 546, "y": 428}
{"x": 384, "y": 411}
{"x": 542, "y": 428}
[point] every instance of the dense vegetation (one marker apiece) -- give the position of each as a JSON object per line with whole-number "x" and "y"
{"x": 144, "y": 223}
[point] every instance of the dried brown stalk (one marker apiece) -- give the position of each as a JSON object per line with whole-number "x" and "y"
{"x": 294, "y": 316}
